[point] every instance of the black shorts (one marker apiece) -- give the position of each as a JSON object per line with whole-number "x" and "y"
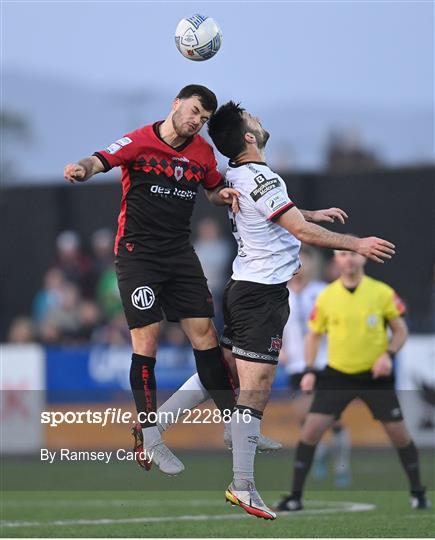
{"x": 335, "y": 390}
{"x": 173, "y": 285}
{"x": 254, "y": 318}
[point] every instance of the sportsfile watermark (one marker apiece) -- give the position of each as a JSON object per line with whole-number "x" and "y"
{"x": 83, "y": 440}
{"x": 116, "y": 415}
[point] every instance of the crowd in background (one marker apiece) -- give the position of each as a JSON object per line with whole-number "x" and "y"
{"x": 79, "y": 302}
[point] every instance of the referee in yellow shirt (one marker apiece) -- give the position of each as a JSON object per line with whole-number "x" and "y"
{"x": 354, "y": 311}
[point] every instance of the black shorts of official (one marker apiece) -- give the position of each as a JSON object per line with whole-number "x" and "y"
{"x": 152, "y": 286}
{"x": 335, "y": 390}
{"x": 254, "y": 318}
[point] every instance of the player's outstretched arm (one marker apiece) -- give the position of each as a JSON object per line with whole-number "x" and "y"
{"x": 328, "y": 214}
{"x": 83, "y": 170}
{"x": 372, "y": 247}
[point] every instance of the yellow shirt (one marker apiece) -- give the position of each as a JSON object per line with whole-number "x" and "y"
{"x": 355, "y": 322}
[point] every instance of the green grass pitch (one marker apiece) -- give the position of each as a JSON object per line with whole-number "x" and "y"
{"x": 118, "y": 500}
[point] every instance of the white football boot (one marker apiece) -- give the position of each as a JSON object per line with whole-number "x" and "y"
{"x": 244, "y": 494}
{"x": 157, "y": 453}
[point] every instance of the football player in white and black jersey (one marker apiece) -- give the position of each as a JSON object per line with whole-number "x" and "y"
{"x": 269, "y": 230}
{"x": 303, "y": 291}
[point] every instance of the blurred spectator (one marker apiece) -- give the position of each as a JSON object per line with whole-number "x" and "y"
{"x": 21, "y": 330}
{"x": 108, "y": 294}
{"x": 49, "y": 334}
{"x": 63, "y": 322}
{"x": 75, "y": 265}
{"x": 346, "y": 153}
{"x": 49, "y": 297}
{"x": 102, "y": 250}
{"x": 214, "y": 253}
{"x": 331, "y": 271}
{"x": 89, "y": 319}
{"x": 102, "y": 241}
{"x": 114, "y": 333}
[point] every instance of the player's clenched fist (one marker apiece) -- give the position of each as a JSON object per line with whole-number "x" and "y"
{"x": 74, "y": 172}
{"x": 375, "y": 248}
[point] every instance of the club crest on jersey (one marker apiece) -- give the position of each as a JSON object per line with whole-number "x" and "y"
{"x": 143, "y": 298}
{"x": 372, "y": 321}
{"x": 275, "y": 344}
{"x": 178, "y": 173}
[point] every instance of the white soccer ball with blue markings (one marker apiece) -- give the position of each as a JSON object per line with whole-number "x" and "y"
{"x": 198, "y": 37}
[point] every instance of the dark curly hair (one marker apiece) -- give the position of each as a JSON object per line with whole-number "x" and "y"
{"x": 227, "y": 129}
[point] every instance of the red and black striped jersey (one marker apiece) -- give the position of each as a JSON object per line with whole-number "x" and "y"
{"x": 159, "y": 187}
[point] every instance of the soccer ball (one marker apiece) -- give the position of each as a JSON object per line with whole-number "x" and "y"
{"x": 198, "y": 37}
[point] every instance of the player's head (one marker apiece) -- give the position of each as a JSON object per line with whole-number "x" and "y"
{"x": 192, "y": 108}
{"x": 349, "y": 263}
{"x": 233, "y": 130}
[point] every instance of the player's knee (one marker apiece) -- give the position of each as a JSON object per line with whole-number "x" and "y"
{"x": 256, "y": 399}
{"x": 144, "y": 339}
{"x": 144, "y": 345}
{"x": 146, "y": 349}
{"x": 204, "y": 337}
{"x": 310, "y": 437}
{"x": 312, "y": 432}
{"x": 397, "y": 433}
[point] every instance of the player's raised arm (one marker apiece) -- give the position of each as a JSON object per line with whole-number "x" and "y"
{"x": 373, "y": 248}
{"x": 83, "y": 169}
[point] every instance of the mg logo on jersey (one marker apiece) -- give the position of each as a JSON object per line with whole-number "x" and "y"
{"x": 143, "y": 298}
{"x": 178, "y": 173}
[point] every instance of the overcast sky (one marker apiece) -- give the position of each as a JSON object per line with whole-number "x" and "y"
{"x": 377, "y": 52}
{"x": 90, "y": 71}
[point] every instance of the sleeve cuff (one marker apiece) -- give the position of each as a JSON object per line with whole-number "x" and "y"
{"x": 103, "y": 160}
{"x": 221, "y": 183}
{"x": 280, "y": 212}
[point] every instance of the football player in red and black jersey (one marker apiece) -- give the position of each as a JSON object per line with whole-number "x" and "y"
{"x": 158, "y": 272}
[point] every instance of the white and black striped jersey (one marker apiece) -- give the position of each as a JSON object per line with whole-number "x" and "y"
{"x": 267, "y": 253}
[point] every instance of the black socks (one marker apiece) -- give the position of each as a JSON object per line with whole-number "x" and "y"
{"x": 143, "y": 386}
{"x": 303, "y": 460}
{"x": 409, "y": 459}
{"x": 215, "y": 378}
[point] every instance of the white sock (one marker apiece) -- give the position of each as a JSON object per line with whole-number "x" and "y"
{"x": 187, "y": 397}
{"x": 245, "y": 430}
{"x": 151, "y": 436}
{"x": 341, "y": 448}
